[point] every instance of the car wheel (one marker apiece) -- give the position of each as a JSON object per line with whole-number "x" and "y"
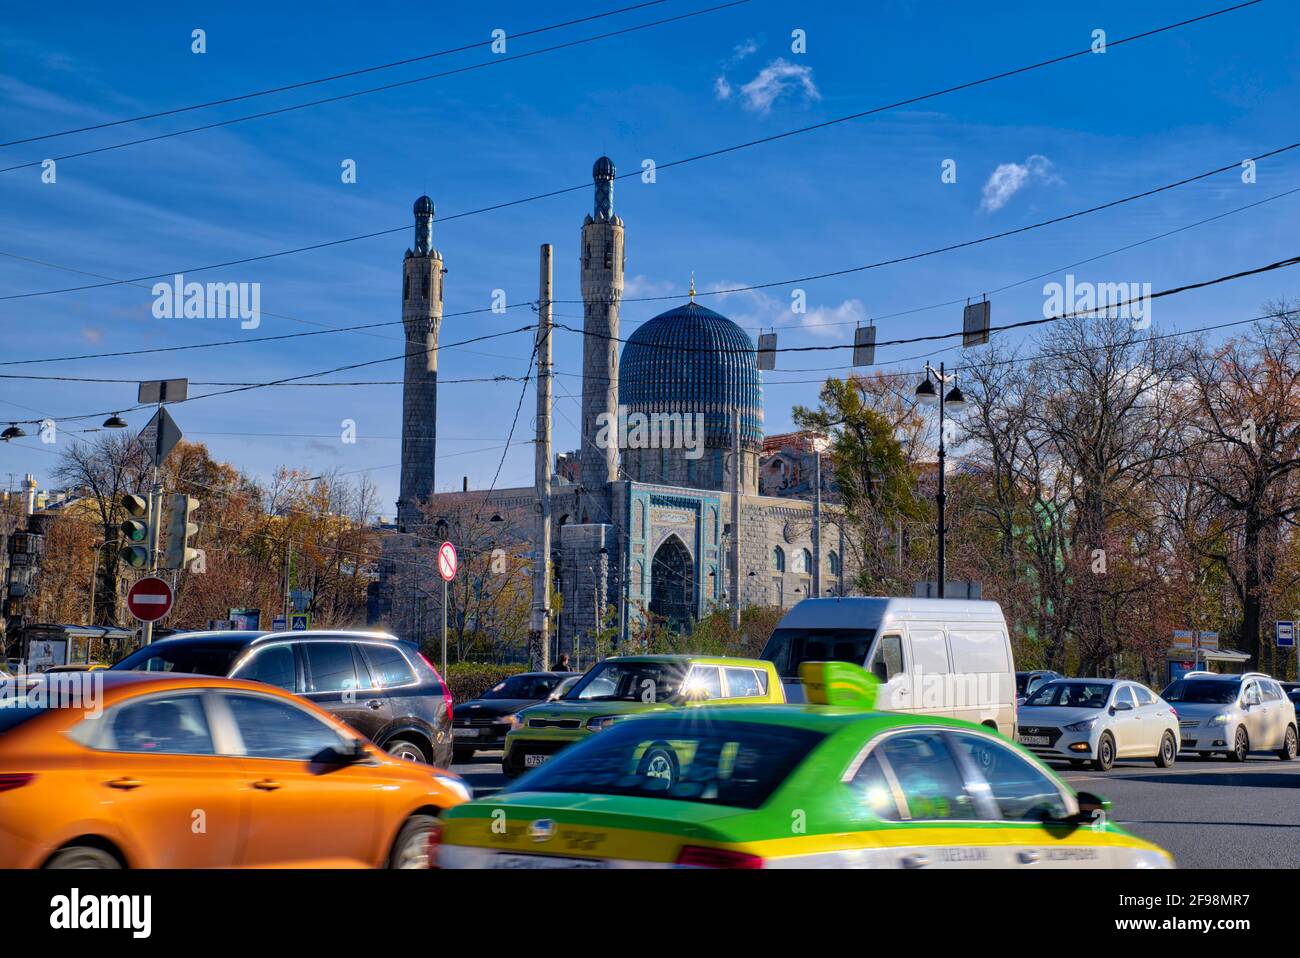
{"x": 1168, "y": 751}
{"x": 1105, "y": 753}
{"x": 404, "y": 748}
{"x": 659, "y": 761}
{"x": 83, "y": 856}
{"x": 1287, "y": 752}
{"x": 462, "y": 755}
{"x": 1240, "y": 747}
{"x": 411, "y": 850}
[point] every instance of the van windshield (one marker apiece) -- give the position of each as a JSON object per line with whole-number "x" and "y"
{"x": 788, "y": 648}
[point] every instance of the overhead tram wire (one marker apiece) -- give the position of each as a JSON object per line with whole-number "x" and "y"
{"x": 1040, "y": 224}
{"x": 495, "y": 61}
{"x": 290, "y": 379}
{"x": 680, "y": 162}
{"x": 1173, "y": 291}
{"x": 329, "y": 79}
{"x": 469, "y": 312}
{"x": 242, "y": 341}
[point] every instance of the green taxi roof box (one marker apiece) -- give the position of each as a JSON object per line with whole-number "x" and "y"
{"x": 839, "y": 683}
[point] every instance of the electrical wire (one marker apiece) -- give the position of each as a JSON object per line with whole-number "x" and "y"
{"x": 701, "y": 156}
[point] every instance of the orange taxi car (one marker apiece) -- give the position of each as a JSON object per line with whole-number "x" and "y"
{"x": 154, "y": 770}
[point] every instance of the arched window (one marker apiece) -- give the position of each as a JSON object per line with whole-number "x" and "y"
{"x": 805, "y": 561}
{"x": 778, "y": 559}
{"x": 833, "y": 561}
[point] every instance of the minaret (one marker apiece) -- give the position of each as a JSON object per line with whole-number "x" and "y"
{"x": 422, "y": 271}
{"x": 602, "y": 289}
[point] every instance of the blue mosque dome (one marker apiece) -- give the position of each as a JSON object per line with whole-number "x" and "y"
{"x": 693, "y": 360}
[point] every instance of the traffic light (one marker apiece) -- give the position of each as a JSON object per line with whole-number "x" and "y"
{"x": 134, "y": 550}
{"x": 179, "y": 530}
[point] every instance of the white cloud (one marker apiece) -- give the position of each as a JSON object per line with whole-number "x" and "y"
{"x": 746, "y": 48}
{"x": 830, "y": 321}
{"x": 777, "y": 78}
{"x": 642, "y": 285}
{"x": 721, "y": 88}
{"x": 1008, "y": 179}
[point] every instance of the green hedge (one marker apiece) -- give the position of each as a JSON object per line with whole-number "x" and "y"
{"x": 469, "y": 680}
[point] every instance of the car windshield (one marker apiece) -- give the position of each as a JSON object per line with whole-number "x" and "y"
{"x": 1203, "y": 691}
{"x": 718, "y": 763}
{"x": 1078, "y": 695}
{"x": 191, "y": 657}
{"x": 787, "y": 649}
{"x": 629, "y": 682}
{"x": 521, "y": 687}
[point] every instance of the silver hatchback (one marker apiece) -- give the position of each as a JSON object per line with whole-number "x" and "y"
{"x": 1233, "y": 715}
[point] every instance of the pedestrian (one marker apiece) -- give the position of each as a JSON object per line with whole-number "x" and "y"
{"x": 563, "y": 665}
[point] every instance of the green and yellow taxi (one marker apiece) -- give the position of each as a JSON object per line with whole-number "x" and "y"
{"x": 833, "y": 783}
{"x": 622, "y": 686}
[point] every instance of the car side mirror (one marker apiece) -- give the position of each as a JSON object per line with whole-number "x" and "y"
{"x": 1091, "y": 805}
{"x": 1121, "y": 707}
{"x": 347, "y": 754}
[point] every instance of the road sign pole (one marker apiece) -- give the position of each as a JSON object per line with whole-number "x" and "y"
{"x": 444, "y": 630}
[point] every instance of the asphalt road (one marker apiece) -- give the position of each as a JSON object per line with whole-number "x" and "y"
{"x": 1207, "y": 813}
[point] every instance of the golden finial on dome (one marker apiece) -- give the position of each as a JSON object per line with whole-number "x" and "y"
{"x": 692, "y": 286}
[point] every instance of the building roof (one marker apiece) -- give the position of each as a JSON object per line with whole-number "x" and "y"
{"x": 693, "y": 360}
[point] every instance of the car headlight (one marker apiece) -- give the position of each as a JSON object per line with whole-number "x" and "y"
{"x": 1223, "y": 718}
{"x": 516, "y": 721}
{"x": 455, "y": 785}
{"x": 602, "y": 722}
{"x": 1087, "y": 725}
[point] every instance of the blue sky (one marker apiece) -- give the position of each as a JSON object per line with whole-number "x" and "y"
{"x": 1059, "y": 139}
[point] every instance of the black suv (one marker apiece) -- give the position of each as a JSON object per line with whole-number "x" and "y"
{"x": 381, "y": 686}
{"x": 485, "y": 721}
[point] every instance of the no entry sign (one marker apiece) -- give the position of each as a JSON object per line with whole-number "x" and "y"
{"x": 447, "y": 561}
{"x": 149, "y": 599}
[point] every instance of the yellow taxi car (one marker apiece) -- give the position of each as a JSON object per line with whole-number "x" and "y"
{"x": 160, "y": 770}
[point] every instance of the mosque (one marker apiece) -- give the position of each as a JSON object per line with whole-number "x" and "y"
{"x": 642, "y": 529}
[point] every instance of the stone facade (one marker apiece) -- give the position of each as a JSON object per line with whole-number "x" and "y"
{"x": 638, "y": 533}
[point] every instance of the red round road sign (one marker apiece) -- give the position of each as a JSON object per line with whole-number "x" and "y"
{"x": 149, "y": 599}
{"x": 447, "y": 561}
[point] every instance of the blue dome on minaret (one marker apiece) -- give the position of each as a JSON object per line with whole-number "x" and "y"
{"x": 691, "y": 359}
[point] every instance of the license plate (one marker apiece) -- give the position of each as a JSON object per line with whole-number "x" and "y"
{"x": 545, "y": 861}
{"x": 464, "y": 733}
{"x": 1035, "y": 740}
{"x": 532, "y": 761}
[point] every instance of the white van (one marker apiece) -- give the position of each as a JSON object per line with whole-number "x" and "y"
{"x": 949, "y": 657}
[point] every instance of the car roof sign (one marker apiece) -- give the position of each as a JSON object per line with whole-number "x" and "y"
{"x": 838, "y": 683}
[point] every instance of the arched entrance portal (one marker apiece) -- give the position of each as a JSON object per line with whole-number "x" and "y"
{"x": 672, "y": 584}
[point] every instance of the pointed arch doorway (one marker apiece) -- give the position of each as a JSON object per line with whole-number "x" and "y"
{"x": 672, "y": 584}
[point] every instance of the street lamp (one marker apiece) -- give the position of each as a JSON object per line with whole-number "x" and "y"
{"x": 114, "y": 422}
{"x": 927, "y": 394}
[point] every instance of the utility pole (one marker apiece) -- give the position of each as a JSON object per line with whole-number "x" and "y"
{"x": 735, "y": 518}
{"x": 817, "y": 521}
{"x": 539, "y": 641}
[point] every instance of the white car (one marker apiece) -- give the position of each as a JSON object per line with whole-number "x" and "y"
{"x": 1234, "y": 715}
{"x": 1098, "y": 720}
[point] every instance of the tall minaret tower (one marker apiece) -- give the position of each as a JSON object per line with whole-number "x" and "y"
{"x": 602, "y": 290}
{"x": 422, "y": 271}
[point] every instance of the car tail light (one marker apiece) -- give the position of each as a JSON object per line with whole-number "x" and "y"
{"x": 435, "y": 840}
{"x": 701, "y": 857}
{"x": 11, "y": 780}
{"x": 446, "y": 692}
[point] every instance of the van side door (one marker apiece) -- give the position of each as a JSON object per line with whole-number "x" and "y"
{"x": 931, "y": 670}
